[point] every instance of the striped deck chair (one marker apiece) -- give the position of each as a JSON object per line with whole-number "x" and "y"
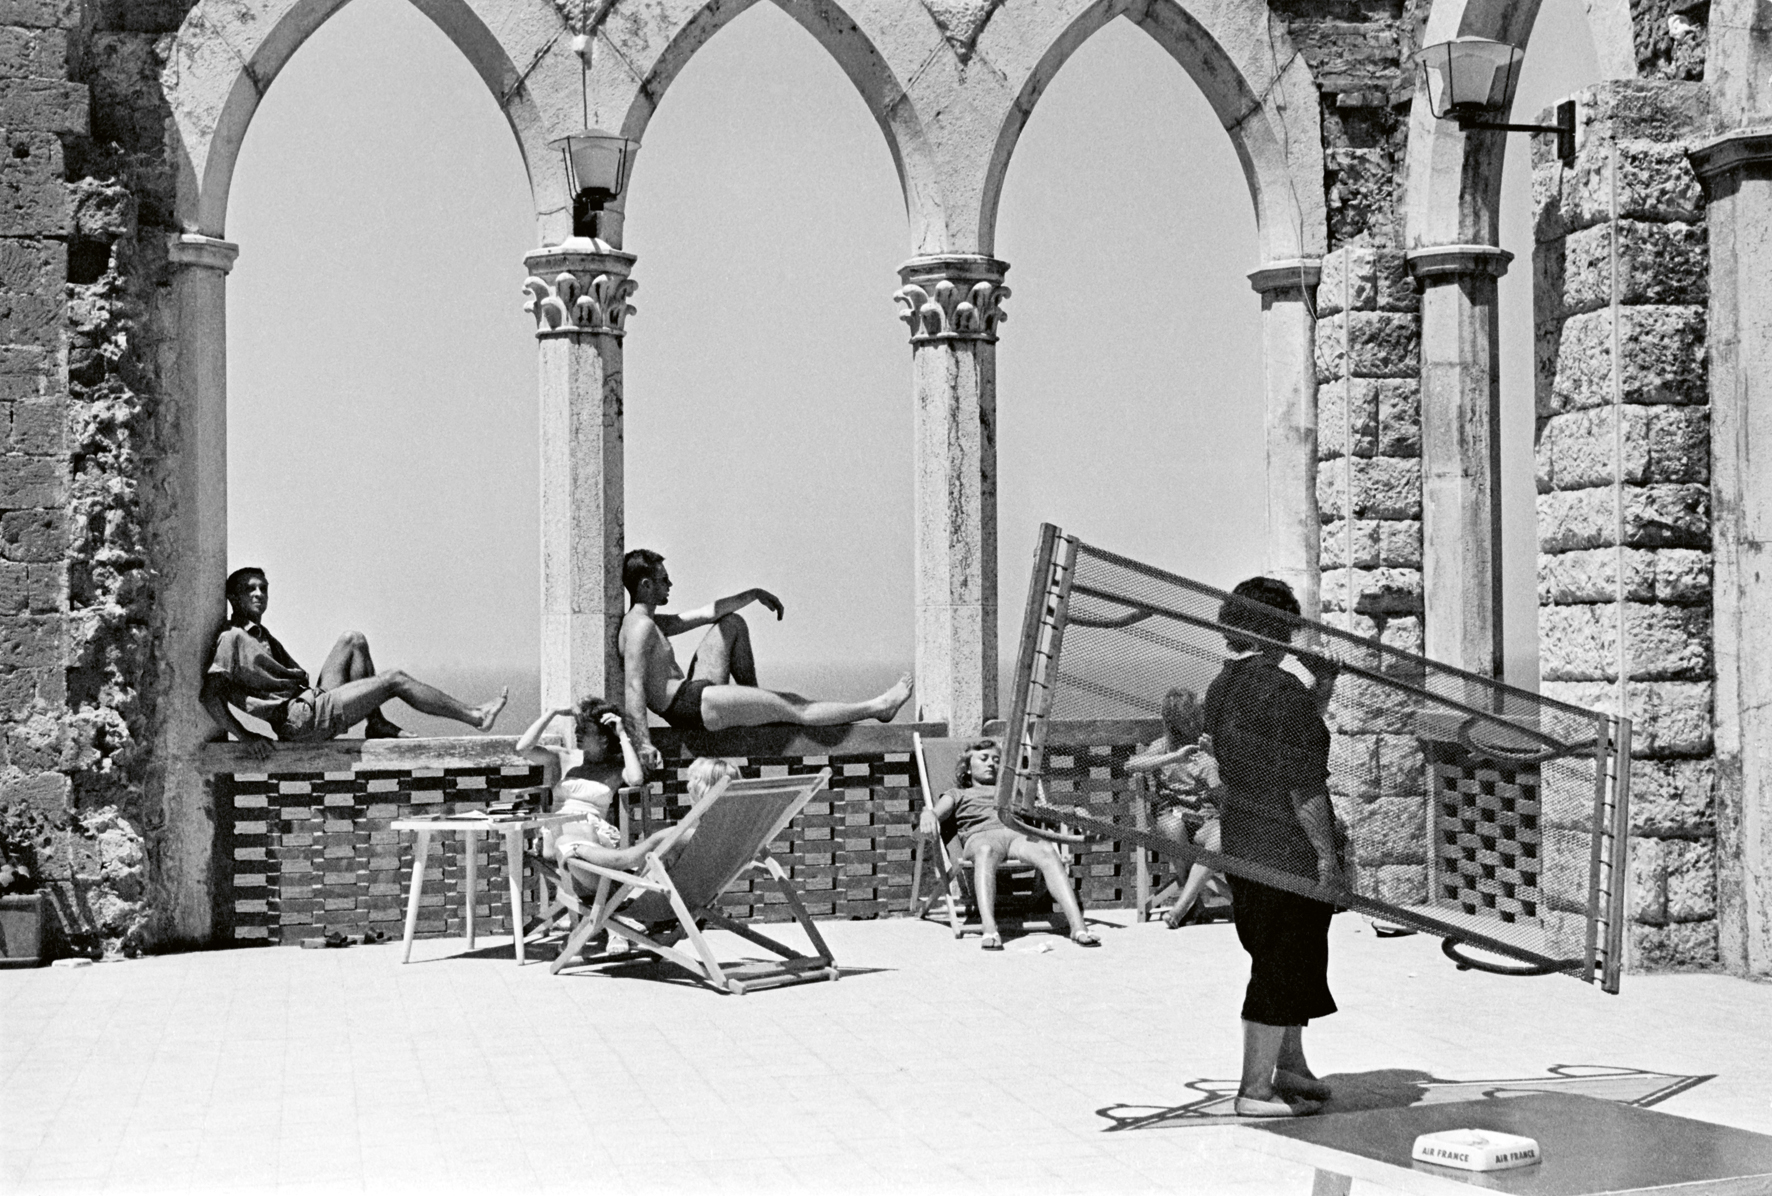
{"x": 734, "y": 825}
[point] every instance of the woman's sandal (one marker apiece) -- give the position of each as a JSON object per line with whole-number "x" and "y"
{"x": 1086, "y": 938}
{"x": 991, "y": 942}
{"x": 1188, "y": 918}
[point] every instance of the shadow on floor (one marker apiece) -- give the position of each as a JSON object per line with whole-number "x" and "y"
{"x": 1211, "y": 1102}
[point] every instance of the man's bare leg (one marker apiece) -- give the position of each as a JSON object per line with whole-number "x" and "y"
{"x": 984, "y": 887}
{"x": 1045, "y": 857}
{"x": 724, "y": 706}
{"x": 357, "y": 698}
{"x": 350, "y": 661}
{"x": 724, "y": 655}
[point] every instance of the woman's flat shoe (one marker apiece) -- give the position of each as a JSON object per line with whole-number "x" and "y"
{"x": 1279, "y": 1106}
{"x": 1086, "y": 938}
{"x": 991, "y": 942}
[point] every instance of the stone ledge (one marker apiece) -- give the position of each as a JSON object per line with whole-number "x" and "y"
{"x": 496, "y": 751}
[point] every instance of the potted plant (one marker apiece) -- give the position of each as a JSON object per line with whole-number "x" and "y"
{"x": 21, "y": 904}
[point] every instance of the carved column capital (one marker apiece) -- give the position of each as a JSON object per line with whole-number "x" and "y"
{"x": 1440, "y": 261}
{"x": 204, "y": 253}
{"x": 579, "y": 287}
{"x": 949, "y": 297}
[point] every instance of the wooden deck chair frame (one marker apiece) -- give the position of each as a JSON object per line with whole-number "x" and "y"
{"x": 955, "y": 884}
{"x": 616, "y": 889}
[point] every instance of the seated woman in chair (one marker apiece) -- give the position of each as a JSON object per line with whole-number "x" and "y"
{"x": 590, "y": 774}
{"x": 987, "y": 842}
{"x": 1186, "y": 799}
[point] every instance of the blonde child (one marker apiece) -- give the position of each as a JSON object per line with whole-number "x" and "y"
{"x": 1187, "y": 784}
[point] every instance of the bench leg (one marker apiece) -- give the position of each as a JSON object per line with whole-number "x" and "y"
{"x": 1328, "y": 1183}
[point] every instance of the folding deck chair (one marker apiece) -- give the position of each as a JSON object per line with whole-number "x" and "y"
{"x": 733, "y": 825}
{"x": 936, "y": 761}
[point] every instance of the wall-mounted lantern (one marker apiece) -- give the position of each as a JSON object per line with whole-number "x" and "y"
{"x": 1470, "y": 79}
{"x": 597, "y": 170}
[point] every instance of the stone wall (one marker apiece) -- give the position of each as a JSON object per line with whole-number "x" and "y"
{"x": 87, "y": 201}
{"x": 1369, "y": 445}
{"x": 1623, "y": 468}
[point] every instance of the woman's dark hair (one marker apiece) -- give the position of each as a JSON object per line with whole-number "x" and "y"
{"x": 1262, "y": 606}
{"x": 1183, "y": 717}
{"x": 963, "y": 766}
{"x": 589, "y": 715}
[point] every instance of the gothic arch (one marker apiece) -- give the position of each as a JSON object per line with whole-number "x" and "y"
{"x": 1453, "y": 194}
{"x": 1258, "y": 85}
{"x": 226, "y": 55}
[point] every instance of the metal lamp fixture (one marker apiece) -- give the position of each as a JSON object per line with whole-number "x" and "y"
{"x": 1470, "y": 78}
{"x": 596, "y": 169}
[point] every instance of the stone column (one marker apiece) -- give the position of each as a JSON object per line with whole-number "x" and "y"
{"x": 194, "y": 569}
{"x": 578, "y": 292}
{"x": 1623, "y": 479}
{"x": 953, "y": 304}
{"x": 1289, "y": 356}
{"x": 1737, "y": 172}
{"x": 1461, "y": 454}
{"x": 1369, "y": 445}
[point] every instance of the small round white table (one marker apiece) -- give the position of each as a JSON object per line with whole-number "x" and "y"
{"x": 513, "y": 828}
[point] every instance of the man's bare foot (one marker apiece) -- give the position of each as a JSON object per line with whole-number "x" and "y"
{"x": 895, "y": 698}
{"x": 488, "y": 713}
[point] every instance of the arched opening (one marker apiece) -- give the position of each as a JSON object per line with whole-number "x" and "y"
{"x": 382, "y": 461}
{"x": 1130, "y": 386}
{"x": 768, "y": 431}
{"x": 1560, "y": 59}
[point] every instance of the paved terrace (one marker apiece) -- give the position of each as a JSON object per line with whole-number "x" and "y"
{"x": 930, "y": 1066}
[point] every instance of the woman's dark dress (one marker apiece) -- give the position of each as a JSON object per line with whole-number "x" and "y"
{"x": 1270, "y": 740}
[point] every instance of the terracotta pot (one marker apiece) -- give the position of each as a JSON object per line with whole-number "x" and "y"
{"x": 21, "y": 931}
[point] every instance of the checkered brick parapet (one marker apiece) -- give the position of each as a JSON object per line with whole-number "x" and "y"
{"x": 304, "y": 845}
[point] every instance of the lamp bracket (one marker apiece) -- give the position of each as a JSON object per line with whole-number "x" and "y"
{"x": 1564, "y": 128}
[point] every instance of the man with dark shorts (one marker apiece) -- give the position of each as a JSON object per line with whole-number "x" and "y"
{"x": 1273, "y": 756}
{"x": 987, "y": 842}
{"x": 253, "y": 671}
{"x": 720, "y": 690}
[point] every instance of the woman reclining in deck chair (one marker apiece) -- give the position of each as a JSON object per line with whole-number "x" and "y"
{"x": 986, "y": 842}
{"x": 590, "y": 775}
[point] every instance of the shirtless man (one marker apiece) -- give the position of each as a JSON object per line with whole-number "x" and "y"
{"x": 720, "y": 690}
{"x": 251, "y": 670}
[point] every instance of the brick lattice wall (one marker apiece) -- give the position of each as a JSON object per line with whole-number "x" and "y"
{"x": 305, "y": 853}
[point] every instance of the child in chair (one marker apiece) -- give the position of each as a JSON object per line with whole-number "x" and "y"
{"x": 1186, "y": 779}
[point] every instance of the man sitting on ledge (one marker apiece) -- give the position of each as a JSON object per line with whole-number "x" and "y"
{"x": 720, "y": 690}
{"x": 253, "y": 671}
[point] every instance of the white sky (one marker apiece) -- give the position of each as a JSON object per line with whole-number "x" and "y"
{"x": 383, "y": 462}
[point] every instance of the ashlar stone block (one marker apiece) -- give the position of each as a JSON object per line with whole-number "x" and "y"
{"x": 1668, "y": 718}
{"x": 1662, "y": 643}
{"x": 1661, "y": 358}
{"x": 1670, "y": 575}
{"x": 1576, "y": 449}
{"x": 1657, "y": 264}
{"x": 1334, "y": 413}
{"x": 1659, "y": 516}
{"x": 1676, "y": 945}
{"x": 1673, "y": 798}
{"x": 1399, "y": 416}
